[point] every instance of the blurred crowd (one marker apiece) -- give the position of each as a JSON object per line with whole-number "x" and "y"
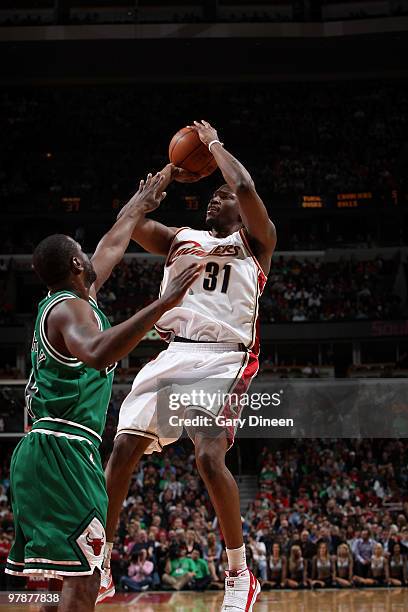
{"x": 95, "y": 142}
{"x": 297, "y": 290}
{"x": 322, "y": 507}
{"x": 326, "y": 513}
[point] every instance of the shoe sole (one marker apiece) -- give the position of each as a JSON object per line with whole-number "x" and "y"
{"x": 106, "y": 595}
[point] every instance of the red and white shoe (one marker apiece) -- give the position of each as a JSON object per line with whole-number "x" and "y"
{"x": 107, "y": 587}
{"x": 241, "y": 591}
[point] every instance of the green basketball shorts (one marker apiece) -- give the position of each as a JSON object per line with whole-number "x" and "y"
{"x": 59, "y": 503}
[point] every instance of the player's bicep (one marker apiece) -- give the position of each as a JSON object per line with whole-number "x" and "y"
{"x": 78, "y": 327}
{"x": 154, "y": 236}
{"x": 255, "y": 217}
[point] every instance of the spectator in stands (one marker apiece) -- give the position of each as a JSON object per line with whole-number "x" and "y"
{"x": 398, "y": 567}
{"x": 223, "y": 565}
{"x": 297, "y": 572}
{"x": 308, "y": 547}
{"x": 5, "y": 546}
{"x": 140, "y": 573}
{"x": 179, "y": 570}
{"x": 343, "y": 567}
{"x": 322, "y": 567}
{"x": 277, "y": 567}
{"x": 212, "y": 553}
{"x": 202, "y": 576}
{"x": 363, "y": 551}
{"x": 259, "y": 555}
{"x": 378, "y": 571}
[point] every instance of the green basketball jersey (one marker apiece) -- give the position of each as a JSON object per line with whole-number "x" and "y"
{"x": 63, "y": 389}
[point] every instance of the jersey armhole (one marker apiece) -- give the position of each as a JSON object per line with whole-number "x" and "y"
{"x": 71, "y": 362}
{"x": 243, "y": 234}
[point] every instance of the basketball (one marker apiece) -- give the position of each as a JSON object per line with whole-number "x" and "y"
{"x": 187, "y": 151}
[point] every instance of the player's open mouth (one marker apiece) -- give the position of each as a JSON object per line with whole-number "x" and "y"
{"x": 213, "y": 210}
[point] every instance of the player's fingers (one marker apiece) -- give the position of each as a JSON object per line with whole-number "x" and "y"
{"x": 141, "y": 185}
{"x": 148, "y": 179}
{"x": 156, "y": 180}
{"x": 189, "y": 272}
{"x": 205, "y": 123}
{"x": 190, "y": 280}
{"x": 157, "y": 184}
{"x": 163, "y": 195}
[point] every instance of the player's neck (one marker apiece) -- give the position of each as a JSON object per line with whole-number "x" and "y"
{"x": 73, "y": 286}
{"x": 223, "y": 232}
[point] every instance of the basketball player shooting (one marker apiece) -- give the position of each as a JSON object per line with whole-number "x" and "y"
{"x": 213, "y": 332}
{"x": 57, "y": 483}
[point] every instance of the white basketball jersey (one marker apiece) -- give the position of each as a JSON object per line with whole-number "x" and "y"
{"x": 222, "y": 304}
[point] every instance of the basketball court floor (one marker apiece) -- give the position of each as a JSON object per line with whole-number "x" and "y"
{"x": 353, "y": 600}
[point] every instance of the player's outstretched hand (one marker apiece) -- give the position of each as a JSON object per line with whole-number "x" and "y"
{"x": 148, "y": 197}
{"x": 205, "y": 131}
{"x": 177, "y": 288}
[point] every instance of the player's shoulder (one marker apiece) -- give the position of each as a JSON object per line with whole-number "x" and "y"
{"x": 72, "y": 309}
{"x": 188, "y": 233}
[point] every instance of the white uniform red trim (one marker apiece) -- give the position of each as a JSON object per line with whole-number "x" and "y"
{"x": 219, "y": 313}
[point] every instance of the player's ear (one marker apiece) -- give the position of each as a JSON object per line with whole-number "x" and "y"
{"x": 76, "y": 265}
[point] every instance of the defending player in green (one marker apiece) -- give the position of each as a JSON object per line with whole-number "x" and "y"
{"x": 57, "y": 483}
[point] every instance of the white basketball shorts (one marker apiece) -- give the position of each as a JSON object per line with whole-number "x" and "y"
{"x": 162, "y": 391}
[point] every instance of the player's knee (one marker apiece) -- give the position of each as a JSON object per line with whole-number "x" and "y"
{"x": 123, "y": 449}
{"x": 126, "y": 450}
{"x": 209, "y": 462}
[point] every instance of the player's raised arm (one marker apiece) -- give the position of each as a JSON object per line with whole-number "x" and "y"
{"x": 76, "y": 332}
{"x": 253, "y": 212}
{"x": 150, "y": 234}
{"x": 114, "y": 243}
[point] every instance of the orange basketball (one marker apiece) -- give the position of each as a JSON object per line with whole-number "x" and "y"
{"x": 187, "y": 151}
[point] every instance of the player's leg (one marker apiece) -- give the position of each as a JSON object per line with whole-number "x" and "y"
{"x": 60, "y": 500}
{"x": 79, "y": 593}
{"x": 136, "y": 432}
{"x": 54, "y": 585}
{"x": 221, "y": 486}
{"x": 241, "y": 586}
{"x": 127, "y": 451}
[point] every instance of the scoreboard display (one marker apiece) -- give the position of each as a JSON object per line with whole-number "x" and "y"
{"x": 364, "y": 199}
{"x": 353, "y": 200}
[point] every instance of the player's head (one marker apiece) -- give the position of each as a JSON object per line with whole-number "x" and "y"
{"x": 223, "y": 210}
{"x": 59, "y": 259}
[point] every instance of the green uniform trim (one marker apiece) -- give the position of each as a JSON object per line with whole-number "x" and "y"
{"x": 58, "y": 425}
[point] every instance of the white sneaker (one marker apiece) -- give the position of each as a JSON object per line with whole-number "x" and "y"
{"x": 107, "y": 587}
{"x": 241, "y": 591}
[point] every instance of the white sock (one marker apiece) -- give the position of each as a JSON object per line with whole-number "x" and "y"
{"x": 107, "y": 555}
{"x": 236, "y": 558}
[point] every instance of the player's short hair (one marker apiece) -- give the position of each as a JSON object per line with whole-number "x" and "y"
{"x": 52, "y": 258}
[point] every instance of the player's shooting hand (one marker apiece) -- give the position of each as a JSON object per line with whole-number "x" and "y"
{"x": 184, "y": 176}
{"x": 205, "y": 131}
{"x": 148, "y": 197}
{"x": 177, "y": 288}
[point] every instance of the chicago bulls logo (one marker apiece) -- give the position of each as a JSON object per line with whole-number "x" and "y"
{"x": 96, "y": 544}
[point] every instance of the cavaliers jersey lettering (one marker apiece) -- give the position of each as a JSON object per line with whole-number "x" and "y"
{"x": 222, "y": 304}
